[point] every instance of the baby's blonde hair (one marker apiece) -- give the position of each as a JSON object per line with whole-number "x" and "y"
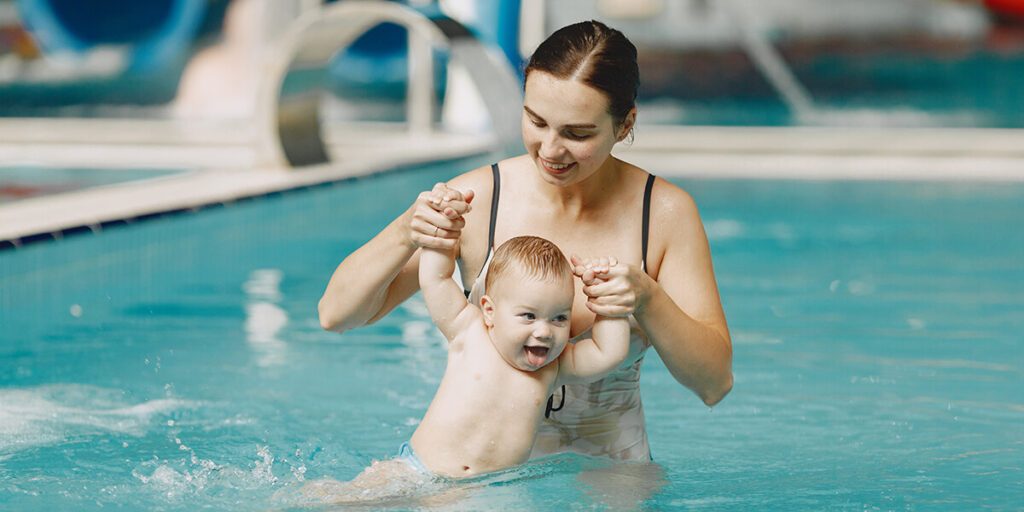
{"x": 534, "y": 256}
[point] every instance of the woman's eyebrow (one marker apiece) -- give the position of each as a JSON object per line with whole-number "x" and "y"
{"x": 571, "y": 126}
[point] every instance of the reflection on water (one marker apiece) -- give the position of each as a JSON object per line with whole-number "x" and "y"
{"x": 264, "y": 319}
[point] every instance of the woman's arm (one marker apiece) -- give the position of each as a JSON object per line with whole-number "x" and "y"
{"x": 681, "y": 312}
{"x": 381, "y": 274}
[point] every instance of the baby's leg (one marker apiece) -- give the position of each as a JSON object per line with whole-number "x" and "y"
{"x": 383, "y": 475}
{"x": 319, "y": 491}
{"x": 383, "y": 480}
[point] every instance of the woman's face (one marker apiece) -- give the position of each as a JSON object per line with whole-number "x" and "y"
{"x": 567, "y": 129}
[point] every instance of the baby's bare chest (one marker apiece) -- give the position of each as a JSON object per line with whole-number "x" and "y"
{"x": 481, "y": 375}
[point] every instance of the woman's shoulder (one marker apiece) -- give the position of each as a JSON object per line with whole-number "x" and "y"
{"x": 481, "y": 179}
{"x": 668, "y": 200}
{"x": 671, "y": 201}
{"x": 472, "y": 179}
{"x": 675, "y": 219}
{"x": 676, "y": 226}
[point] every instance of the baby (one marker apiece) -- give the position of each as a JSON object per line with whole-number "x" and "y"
{"x": 505, "y": 356}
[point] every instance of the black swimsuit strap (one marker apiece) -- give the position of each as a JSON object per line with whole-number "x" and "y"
{"x": 496, "y": 175}
{"x": 645, "y": 231}
{"x": 495, "y": 193}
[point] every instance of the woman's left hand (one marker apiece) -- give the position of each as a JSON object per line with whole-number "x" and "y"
{"x": 613, "y": 289}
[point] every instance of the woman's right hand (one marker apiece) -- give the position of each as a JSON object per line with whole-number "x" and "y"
{"x": 435, "y": 220}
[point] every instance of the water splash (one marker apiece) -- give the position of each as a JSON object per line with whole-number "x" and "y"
{"x": 195, "y": 476}
{"x": 31, "y": 417}
{"x": 395, "y": 484}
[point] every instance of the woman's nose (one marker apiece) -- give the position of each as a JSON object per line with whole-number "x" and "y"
{"x": 551, "y": 145}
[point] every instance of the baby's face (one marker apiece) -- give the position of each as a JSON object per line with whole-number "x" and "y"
{"x": 528, "y": 318}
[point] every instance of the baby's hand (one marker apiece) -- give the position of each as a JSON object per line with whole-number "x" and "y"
{"x": 442, "y": 201}
{"x": 592, "y": 271}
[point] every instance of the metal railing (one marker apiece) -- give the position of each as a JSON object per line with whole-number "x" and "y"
{"x": 289, "y": 110}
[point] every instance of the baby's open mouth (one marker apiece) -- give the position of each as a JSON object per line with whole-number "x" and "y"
{"x": 536, "y": 355}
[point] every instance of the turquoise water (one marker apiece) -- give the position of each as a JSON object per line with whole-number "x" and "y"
{"x": 177, "y": 364}
{"x": 28, "y": 181}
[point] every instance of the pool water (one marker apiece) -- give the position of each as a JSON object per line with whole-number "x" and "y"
{"x": 178, "y": 364}
{"x": 29, "y": 181}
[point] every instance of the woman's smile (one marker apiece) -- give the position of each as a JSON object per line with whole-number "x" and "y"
{"x": 556, "y": 168}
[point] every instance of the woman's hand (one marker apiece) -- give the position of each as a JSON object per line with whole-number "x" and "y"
{"x": 613, "y": 289}
{"x": 435, "y": 219}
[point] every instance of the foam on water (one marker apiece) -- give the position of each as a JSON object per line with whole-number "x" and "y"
{"x": 45, "y": 415}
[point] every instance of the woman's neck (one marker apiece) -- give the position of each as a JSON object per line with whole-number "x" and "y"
{"x": 587, "y": 194}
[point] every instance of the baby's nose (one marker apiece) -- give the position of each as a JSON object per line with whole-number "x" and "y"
{"x": 542, "y": 331}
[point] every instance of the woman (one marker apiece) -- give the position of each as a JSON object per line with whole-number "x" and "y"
{"x": 579, "y": 102}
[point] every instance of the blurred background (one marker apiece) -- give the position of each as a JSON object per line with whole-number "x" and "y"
{"x": 735, "y": 62}
{"x": 171, "y": 85}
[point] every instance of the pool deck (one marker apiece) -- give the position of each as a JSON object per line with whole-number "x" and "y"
{"x": 821, "y": 153}
{"x": 224, "y": 163}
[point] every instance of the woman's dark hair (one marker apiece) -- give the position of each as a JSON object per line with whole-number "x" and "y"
{"x": 596, "y": 55}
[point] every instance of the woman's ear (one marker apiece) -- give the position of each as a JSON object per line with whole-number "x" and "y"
{"x": 627, "y": 125}
{"x": 487, "y": 308}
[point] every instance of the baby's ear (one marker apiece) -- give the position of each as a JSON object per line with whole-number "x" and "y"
{"x": 487, "y": 308}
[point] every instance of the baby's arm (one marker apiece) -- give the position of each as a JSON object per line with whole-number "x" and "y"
{"x": 447, "y": 304}
{"x": 591, "y": 359}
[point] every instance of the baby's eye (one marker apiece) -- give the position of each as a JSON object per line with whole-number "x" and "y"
{"x": 562, "y": 318}
{"x": 528, "y": 316}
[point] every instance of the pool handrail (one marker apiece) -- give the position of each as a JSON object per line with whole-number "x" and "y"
{"x": 290, "y": 125}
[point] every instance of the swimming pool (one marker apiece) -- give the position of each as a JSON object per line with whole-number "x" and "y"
{"x": 28, "y": 181}
{"x": 178, "y": 364}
